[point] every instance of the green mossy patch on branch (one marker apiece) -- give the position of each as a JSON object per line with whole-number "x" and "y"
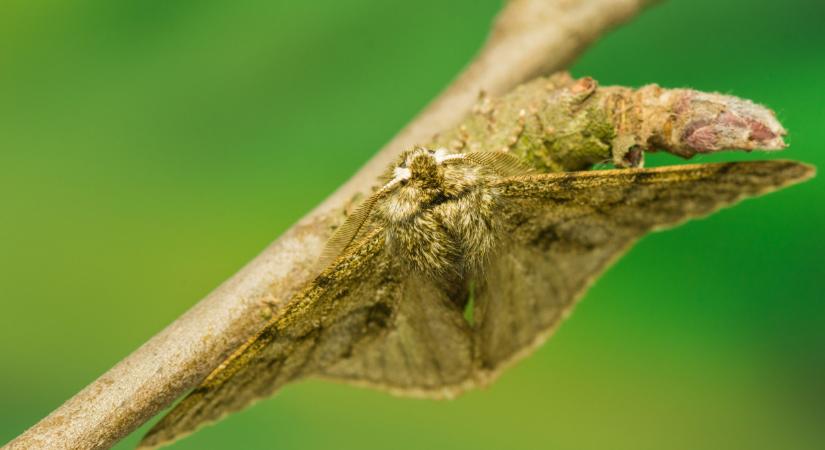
{"x": 563, "y": 124}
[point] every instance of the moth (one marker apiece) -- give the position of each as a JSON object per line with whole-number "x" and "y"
{"x": 457, "y": 267}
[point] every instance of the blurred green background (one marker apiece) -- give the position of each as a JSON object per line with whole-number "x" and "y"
{"x": 148, "y": 149}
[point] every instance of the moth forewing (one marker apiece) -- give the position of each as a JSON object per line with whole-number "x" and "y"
{"x": 339, "y": 308}
{"x": 562, "y": 230}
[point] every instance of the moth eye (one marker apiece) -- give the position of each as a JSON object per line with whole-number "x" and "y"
{"x": 403, "y": 164}
{"x": 431, "y": 152}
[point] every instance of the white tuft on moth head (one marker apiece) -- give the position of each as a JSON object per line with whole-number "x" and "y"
{"x": 402, "y": 172}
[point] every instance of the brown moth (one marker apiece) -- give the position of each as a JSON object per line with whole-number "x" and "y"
{"x": 448, "y": 231}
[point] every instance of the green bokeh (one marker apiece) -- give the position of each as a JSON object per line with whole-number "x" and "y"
{"x": 148, "y": 149}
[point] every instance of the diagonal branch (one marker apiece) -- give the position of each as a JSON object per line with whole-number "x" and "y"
{"x": 530, "y": 38}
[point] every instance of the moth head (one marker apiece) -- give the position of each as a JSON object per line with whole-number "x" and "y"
{"x": 422, "y": 167}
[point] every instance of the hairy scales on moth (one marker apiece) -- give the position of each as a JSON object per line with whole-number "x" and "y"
{"x": 438, "y": 211}
{"x": 525, "y": 227}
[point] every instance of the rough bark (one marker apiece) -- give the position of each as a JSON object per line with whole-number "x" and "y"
{"x": 530, "y": 38}
{"x": 559, "y": 124}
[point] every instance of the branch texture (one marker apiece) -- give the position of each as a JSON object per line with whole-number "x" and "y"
{"x": 530, "y": 38}
{"x": 559, "y": 124}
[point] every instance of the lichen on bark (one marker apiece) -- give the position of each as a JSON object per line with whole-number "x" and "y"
{"x": 559, "y": 123}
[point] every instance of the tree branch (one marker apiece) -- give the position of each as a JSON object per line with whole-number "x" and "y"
{"x": 530, "y": 38}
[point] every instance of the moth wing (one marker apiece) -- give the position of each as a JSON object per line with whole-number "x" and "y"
{"x": 504, "y": 164}
{"x": 426, "y": 352}
{"x": 348, "y": 304}
{"x": 348, "y": 233}
{"x": 566, "y": 229}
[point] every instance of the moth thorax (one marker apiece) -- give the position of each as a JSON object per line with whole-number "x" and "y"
{"x": 445, "y": 224}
